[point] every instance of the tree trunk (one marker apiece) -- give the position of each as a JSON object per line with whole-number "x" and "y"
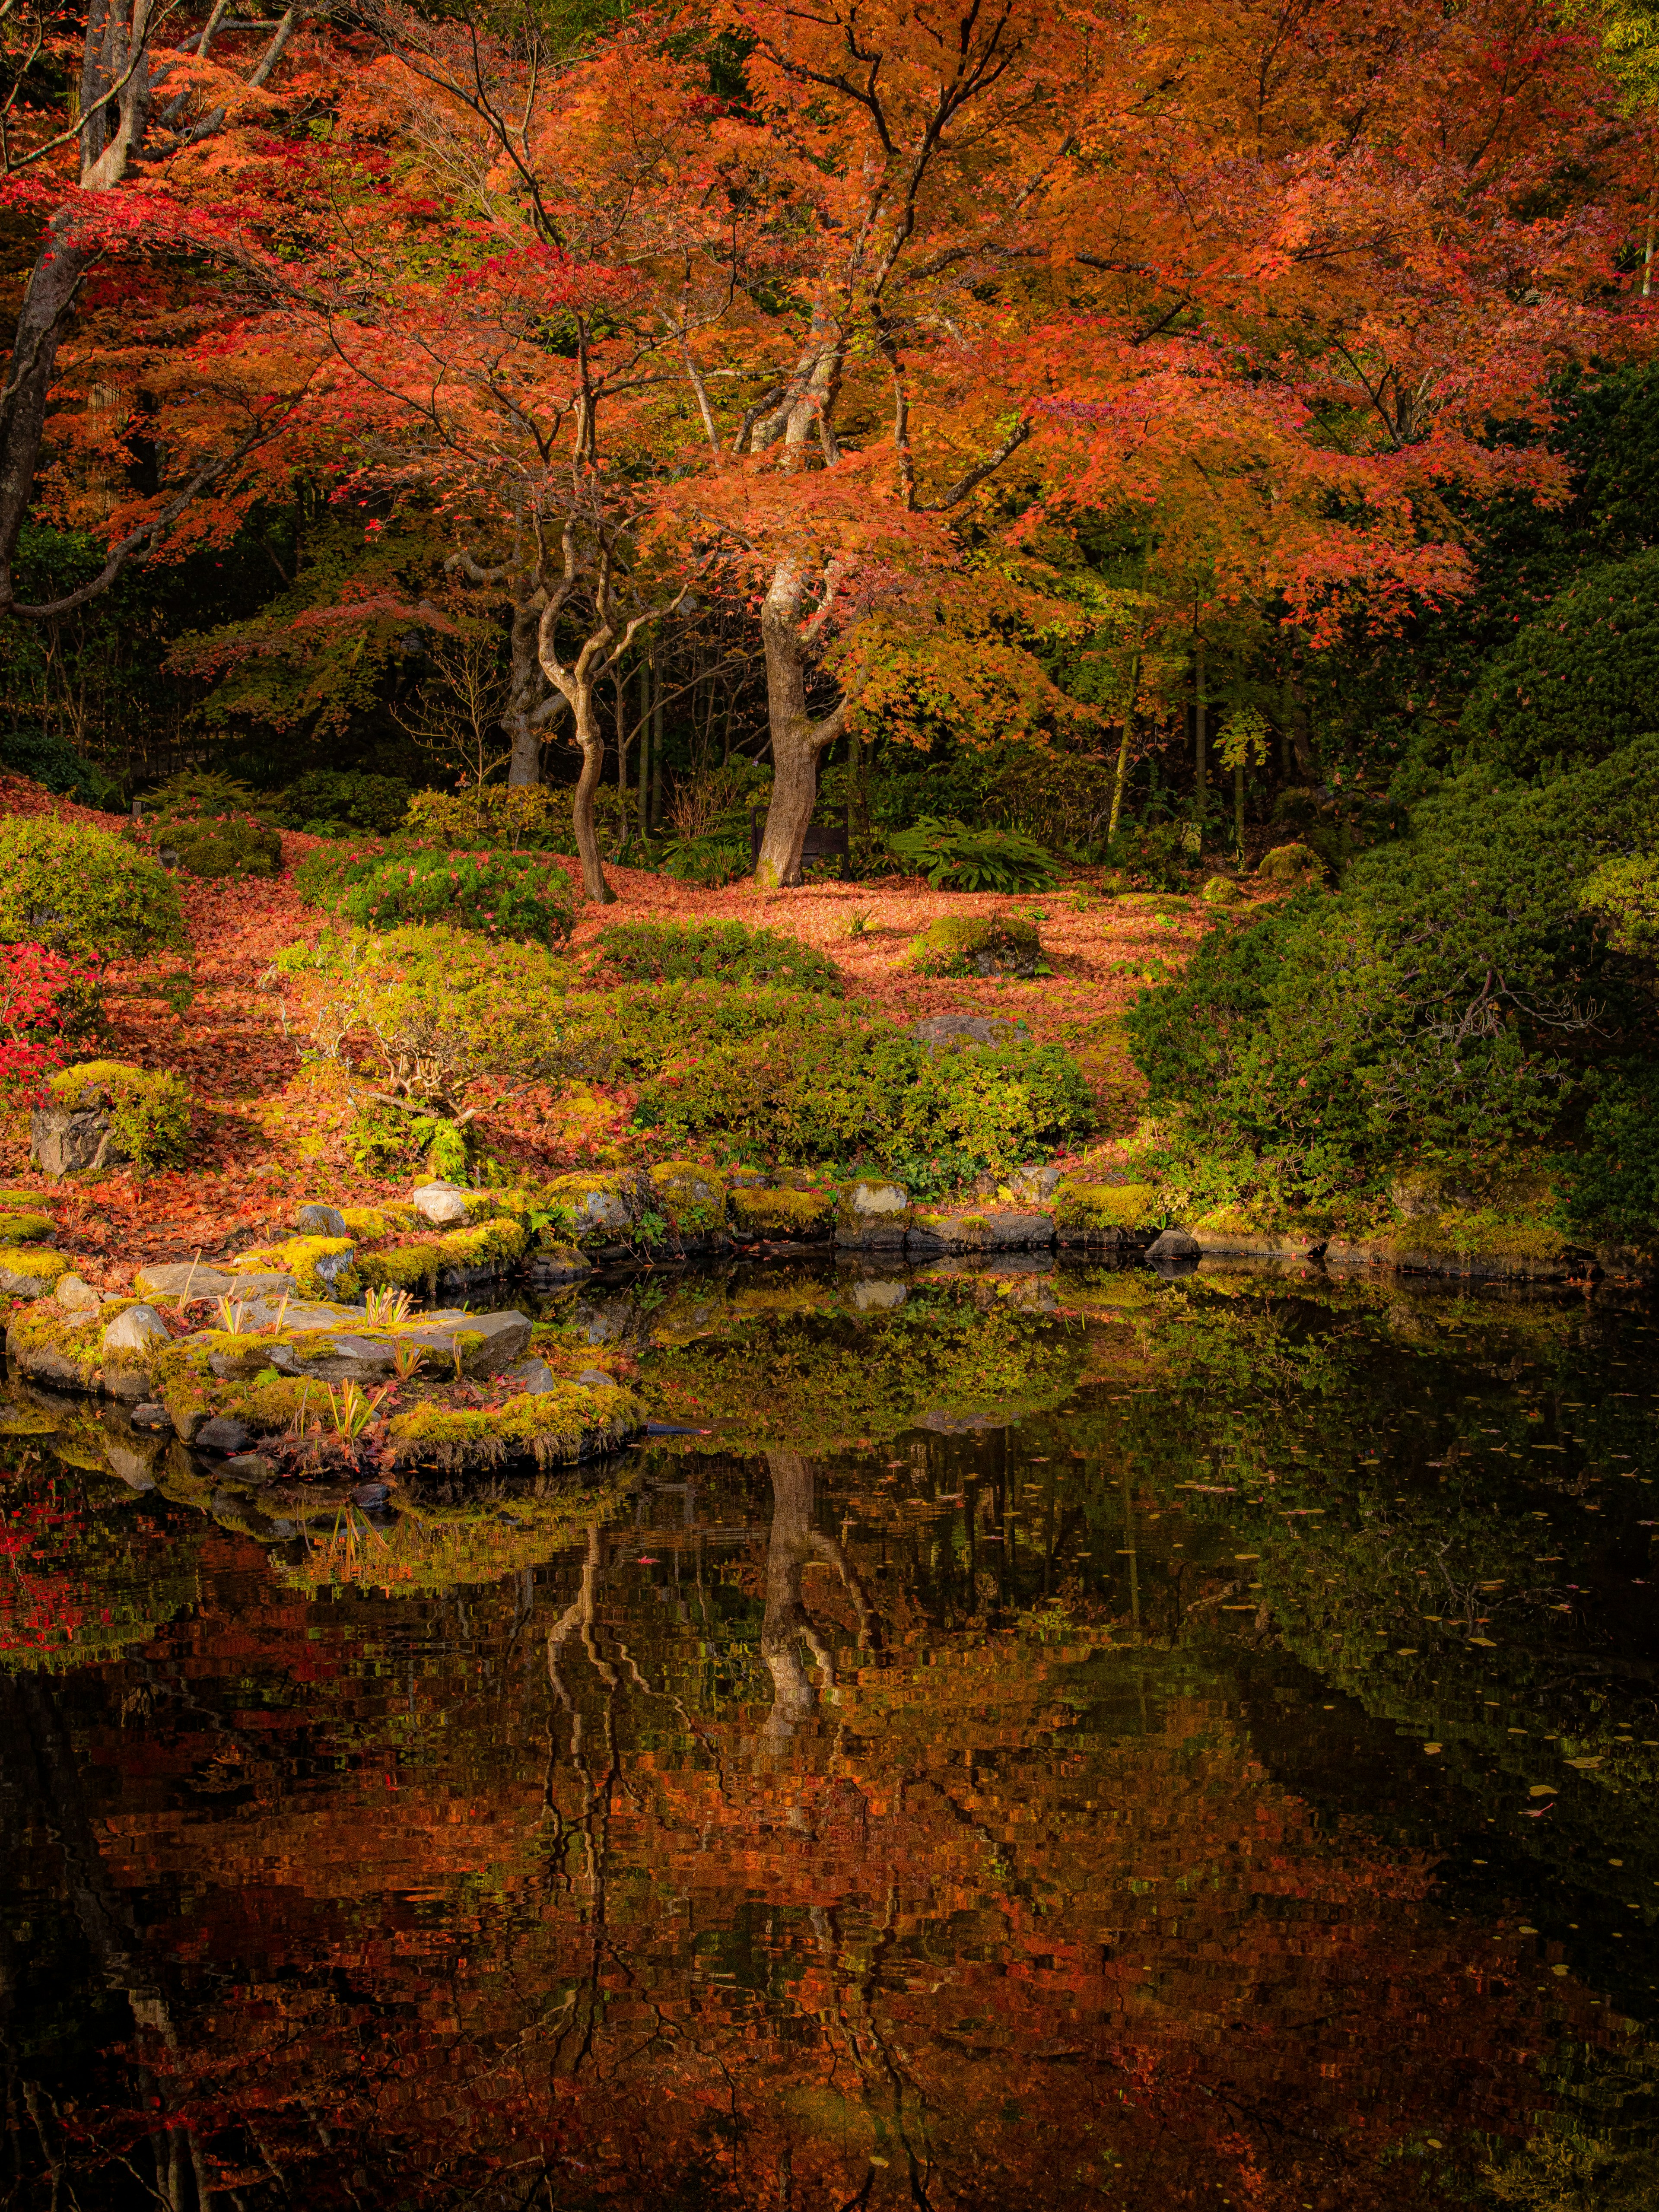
{"x": 47, "y": 304}
{"x": 798, "y": 742}
{"x": 590, "y": 738}
{"x": 1238, "y": 810}
{"x": 1201, "y": 786}
{"x": 1122, "y": 777}
{"x": 645, "y": 745}
{"x": 527, "y": 693}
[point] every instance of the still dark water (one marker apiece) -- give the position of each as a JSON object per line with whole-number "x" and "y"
{"x": 1055, "y": 1740}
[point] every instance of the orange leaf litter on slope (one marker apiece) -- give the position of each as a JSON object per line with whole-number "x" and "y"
{"x": 254, "y": 1118}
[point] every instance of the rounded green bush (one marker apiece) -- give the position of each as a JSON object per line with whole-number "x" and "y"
{"x": 83, "y": 891}
{"x": 957, "y": 944}
{"x": 1577, "y": 684}
{"x": 517, "y": 895}
{"x": 729, "y": 951}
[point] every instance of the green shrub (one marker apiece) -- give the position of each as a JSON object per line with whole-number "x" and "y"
{"x": 1154, "y": 858}
{"x": 336, "y": 802}
{"x": 1579, "y": 682}
{"x": 1295, "y": 865}
{"x": 209, "y": 826}
{"x": 523, "y": 894}
{"x": 87, "y": 892}
{"x": 384, "y": 1140}
{"x": 954, "y": 857}
{"x": 670, "y": 951}
{"x": 149, "y": 1113}
{"x": 1609, "y": 1183}
{"x": 820, "y": 1086}
{"x": 957, "y": 944}
{"x": 1063, "y": 800}
{"x": 1445, "y": 1004}
{"x": 427, "y": 1012}
{"x": 52, "y": 762}
{"x": 794, "y": 1074}
{"x": 1625, "y": 895}
{"x": 716, "y": 858}
{"x": 396, "y": 884}
{"x": 522, "y": 817}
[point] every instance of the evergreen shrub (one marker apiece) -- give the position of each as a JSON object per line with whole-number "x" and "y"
{"x": 338, "y": 802}
{"x": 88, "y": 893}
{"x": 1446, "y": 1004}
{"x": 1580, "y": 681}
{"x": 729, "y": 951}
{"x": 52, "y": 762}
{"x": 394, "y": 885}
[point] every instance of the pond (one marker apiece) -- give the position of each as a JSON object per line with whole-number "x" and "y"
{"x": 1072, "y": 1738}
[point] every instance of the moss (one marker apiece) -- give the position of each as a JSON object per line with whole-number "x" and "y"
{"x": 149, "y": 1113}
{"x": 1221, "y": 890}
{"x": 963, "y": 944}
{"x": 1294, "y": 863}
{"x": 299, "y": 1257}
{"x": 1230, "y": 1221}
{"x": 369, "y": 1224}
{"x": 24, "y": 1228}
{"x": 558, "y": 1426}
{"x": 595, "y": 1205}
{"x": 75, "y": 1348}
{"x": 797, "y": 1215}
{"x": 490, "y": 1243}
{"x": 39, "y": 1266}
{"x": 1468, "y": 1244}
{"x": 1104, "y": 1206}
{"x": 412, "y": 1268}
{"x": 692, "y": 1197}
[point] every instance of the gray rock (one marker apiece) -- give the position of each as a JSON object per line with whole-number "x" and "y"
{"x": 531, "y": 1378}
{"x": 560, "y": 1263}
{"x": 317, "y": 1220}
{"x": 252, "y": 1467}
{"x": 873, "y": 1215}
{"x": 147, "y": 1414}
{"x": 66, "y": 1140}
{"x": 938, "y": 1031}
{"x": 222, "y": 1434}
{"x": 76, "y": 1297}
{"x": 182, "y": 1278}
{"x": 504, "y": 1336}
{"x": 595, "y": 1378}
{"x": 134, "y": 1332}
{"x": 980, "y": 1232}
{"x": 329, "y": 1267}
{"x": 442, "y": 1204}
{"x": 1037, "y": 1185}
{"x": 1175, "y": 1245}
{"x": 14, "y": 1283}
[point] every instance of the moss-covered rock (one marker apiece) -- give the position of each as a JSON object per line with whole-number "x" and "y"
{"x": 1293, "y": 866}
{"x": 597, "y": 1206}
{"x": 801, "y": 1217}
{"x": 1083, "y": 1209}
{"x": 50, "y": 1346}
{"x": 965, "y": 944}
{"x": 106, "y": 1113}
{"x": 422, "y": 1264}
{"x": 372, "y": 1224}
{"x": 1221, "y": 890}
{"x": 1521, "y": 1251}
{"x": 558, "y": 1426}
{"x": 30, "y": 1271}
{"x": 693, "y": 1198}
{"x": 24, "y": 1228}
{"x": 322, "y": 1266}
{"x": 871, "y": 1213}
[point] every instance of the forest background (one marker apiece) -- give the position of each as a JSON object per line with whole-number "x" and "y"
{"x": 1036, "y": 438}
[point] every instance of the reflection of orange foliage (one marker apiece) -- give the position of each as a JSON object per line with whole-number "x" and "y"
{"x": 1032, "y": 1917}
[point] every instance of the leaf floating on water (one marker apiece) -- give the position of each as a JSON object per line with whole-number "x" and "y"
{"x": 1246, "y": 1555}
{"x": 1541, "y": 1789}
{"x": 1582, "y": 1763}
{"x": 1431, "y": 1748}
{"x": 1406, "y": 1651}
{"x": 1485, "y": 1640}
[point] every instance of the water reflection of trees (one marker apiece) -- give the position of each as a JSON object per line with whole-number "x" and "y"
{"x": 802, "y": 1837}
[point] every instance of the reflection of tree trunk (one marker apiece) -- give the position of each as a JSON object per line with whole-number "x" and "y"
{"x": 31, "y": 1718}
{"x": 795, "y": 1544}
